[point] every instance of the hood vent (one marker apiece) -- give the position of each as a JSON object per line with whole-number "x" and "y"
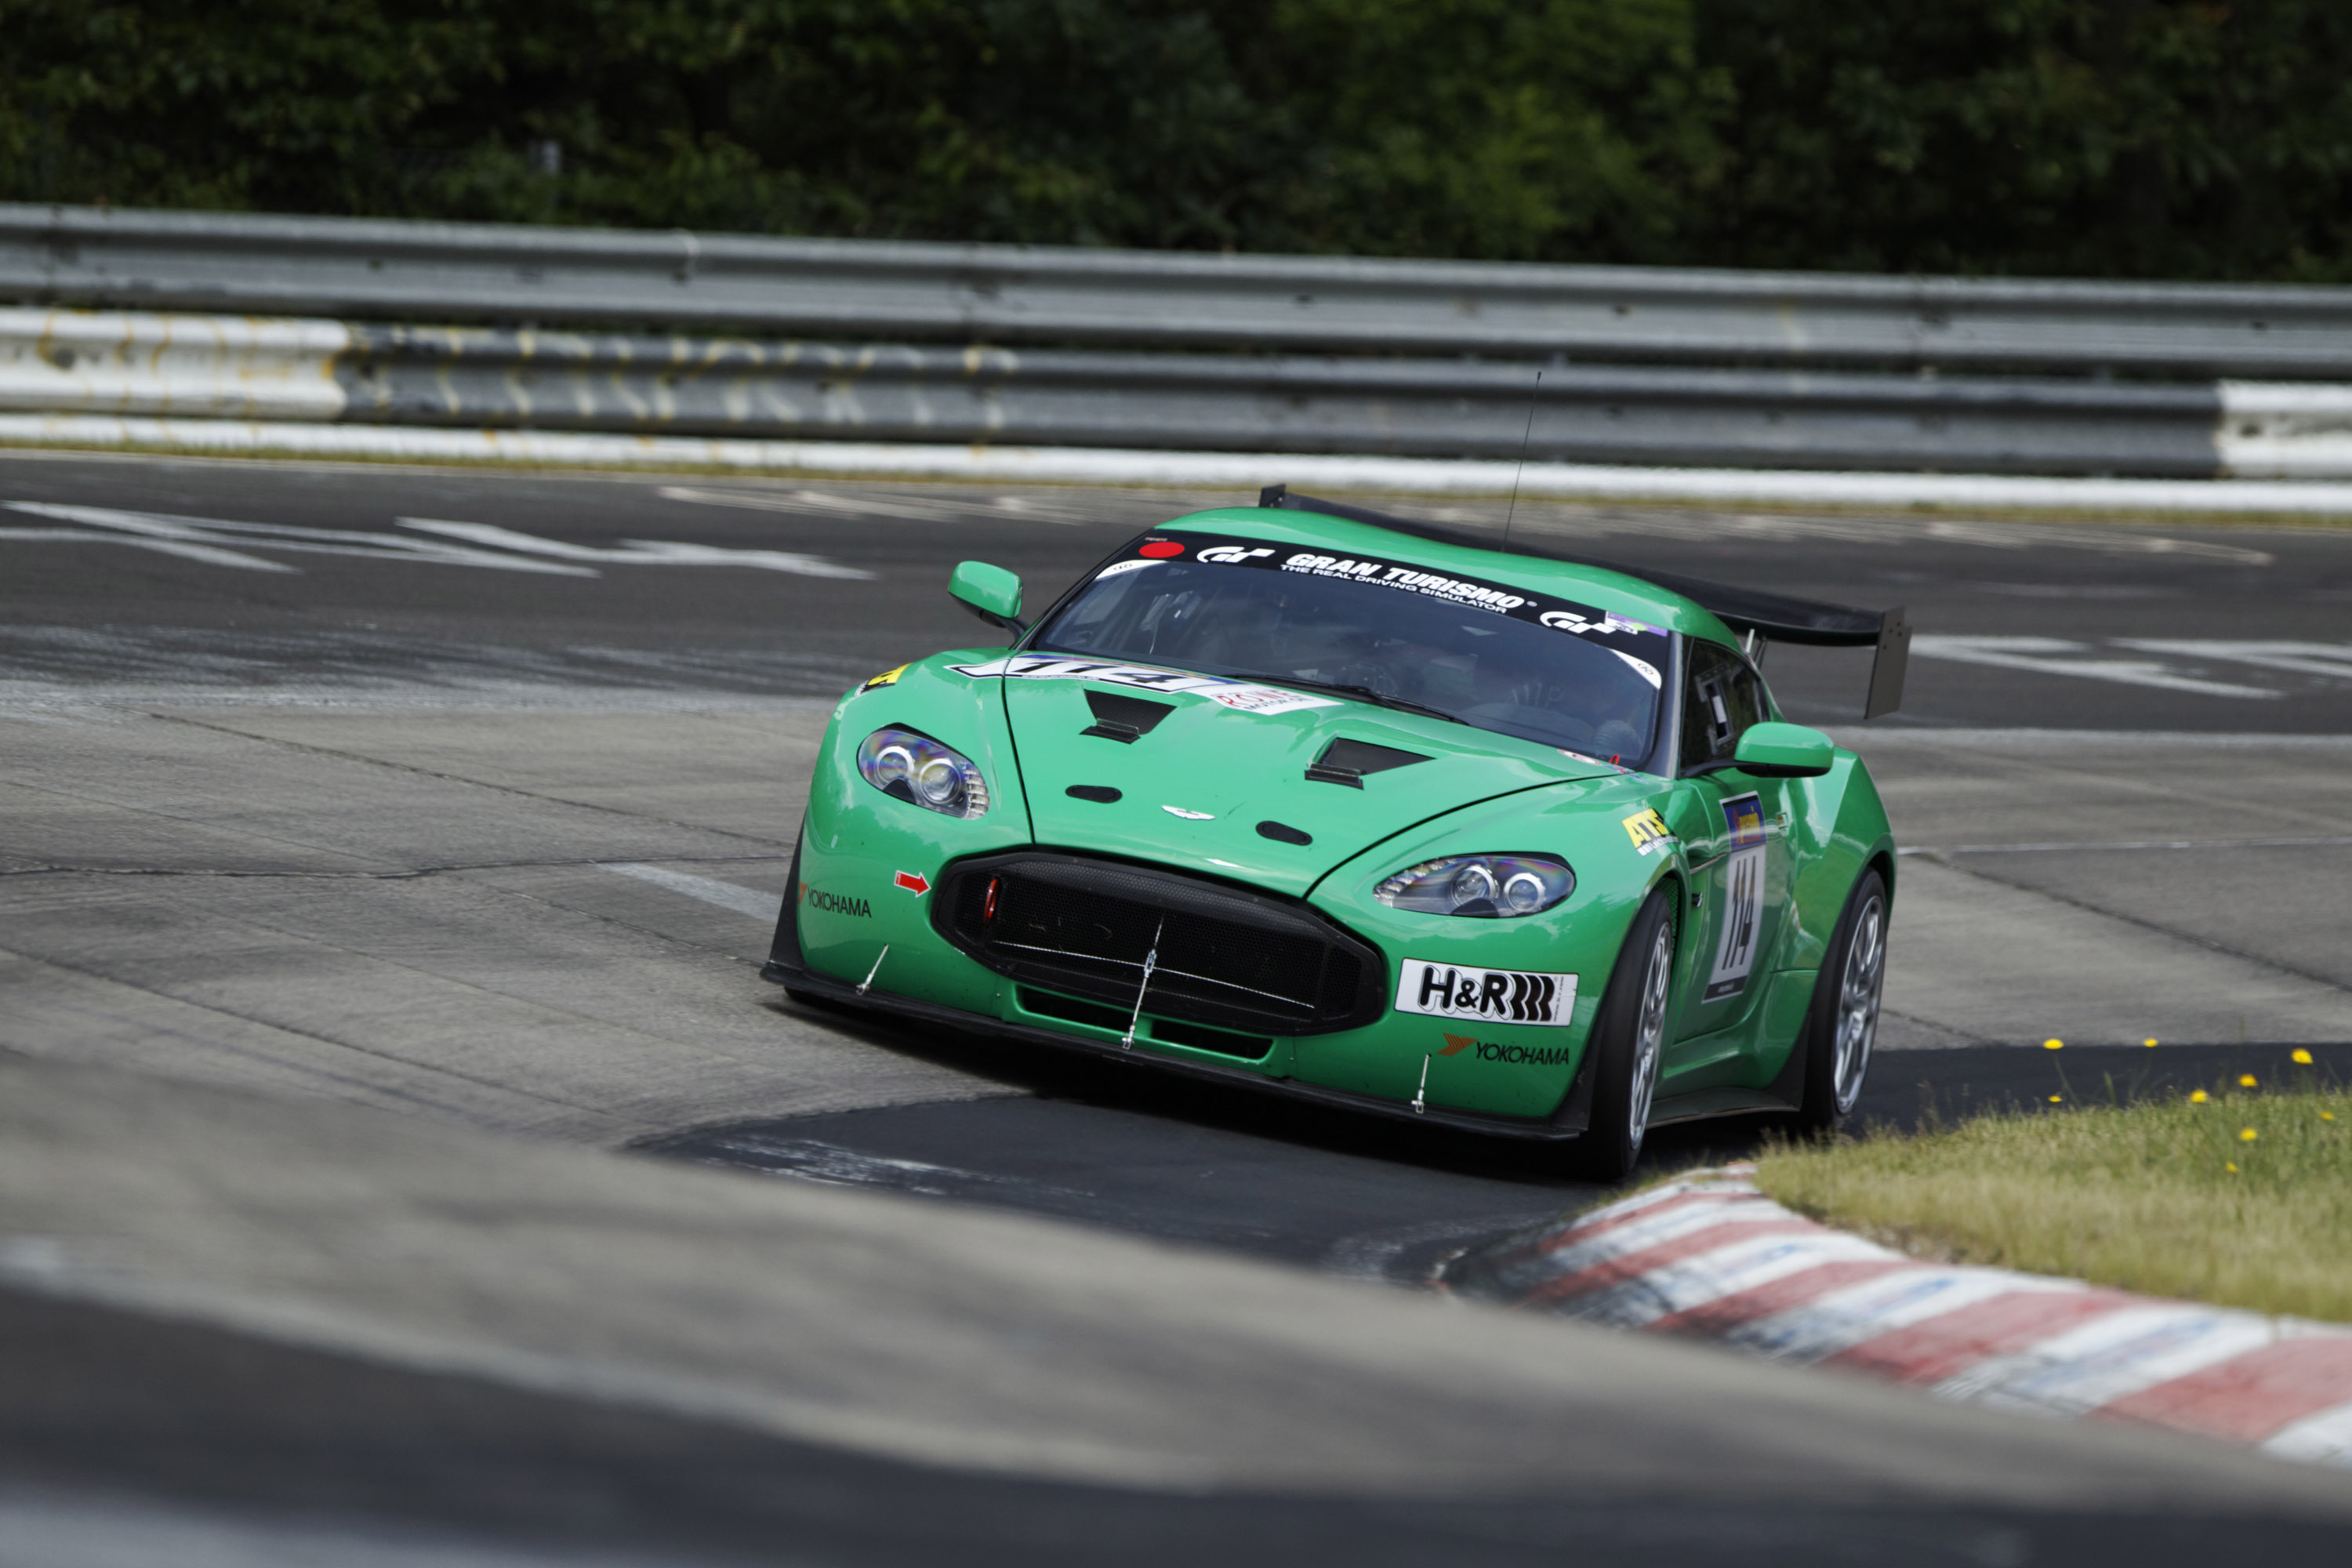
{"x": 1346, "y": 761}
{"x": 1126, "y": 720}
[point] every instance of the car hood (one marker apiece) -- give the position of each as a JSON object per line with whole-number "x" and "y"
{"x": 1196, "y": 784}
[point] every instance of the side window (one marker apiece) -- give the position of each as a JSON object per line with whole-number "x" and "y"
{"x": 1721, "y": 699}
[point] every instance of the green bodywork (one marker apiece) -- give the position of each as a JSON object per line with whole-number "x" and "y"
{"x": 863, "y": 854}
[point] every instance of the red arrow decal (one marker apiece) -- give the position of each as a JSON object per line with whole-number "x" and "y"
{"x": 913, "y": 882}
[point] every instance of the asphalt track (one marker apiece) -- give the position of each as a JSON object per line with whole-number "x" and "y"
{"x": 315, "y": 809}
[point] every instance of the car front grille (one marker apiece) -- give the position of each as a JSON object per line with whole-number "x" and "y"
{"x": 1221, "y": 956}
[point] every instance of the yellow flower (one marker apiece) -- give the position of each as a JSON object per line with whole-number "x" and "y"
{"x": 2055, "y": 1098}
{"x": 2302, "y": 1057}
{"x": 2247, "y": 1135}
{"x": 2328, "y": 1116}
{"x": 2245, "y": 1080}
{"x": 2197, "y": 1096}
{"x": 2230, "y": 1166}
{"x": 2054, "y": 1045}
{"x": 2148, "y": 1042}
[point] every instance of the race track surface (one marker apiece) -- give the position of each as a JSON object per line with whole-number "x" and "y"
{"x": 388, "y": 858}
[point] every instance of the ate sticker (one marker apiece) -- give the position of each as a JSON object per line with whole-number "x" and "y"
{"x": 1649, "y": 831}
{"x": 1239, "y": 695}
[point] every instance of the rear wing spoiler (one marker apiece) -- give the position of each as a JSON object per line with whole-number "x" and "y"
{"x": 1763, "y": 617}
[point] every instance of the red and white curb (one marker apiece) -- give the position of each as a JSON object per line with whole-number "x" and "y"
{"x": 1712, "y": 1257}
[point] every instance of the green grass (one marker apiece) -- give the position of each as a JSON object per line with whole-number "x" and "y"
{"x": 2169, "y": 1197}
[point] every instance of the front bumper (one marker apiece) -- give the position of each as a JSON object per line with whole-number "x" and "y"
{"x": 1568, "y": 1122}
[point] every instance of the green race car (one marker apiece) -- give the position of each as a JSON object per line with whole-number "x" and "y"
{"x": 1356, "y": 809}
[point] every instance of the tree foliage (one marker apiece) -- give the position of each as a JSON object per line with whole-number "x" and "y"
{"x": 2091, "y": 137}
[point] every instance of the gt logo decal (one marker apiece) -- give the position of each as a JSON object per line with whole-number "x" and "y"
{"x": 1231, "y": 554}
{"x": 1649, "y": 831}
{"x": 888, "y": 677}
{"x": 1501, "y": 995}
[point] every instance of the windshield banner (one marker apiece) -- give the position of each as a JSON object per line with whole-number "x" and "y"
{"x": 1621, "y": 633}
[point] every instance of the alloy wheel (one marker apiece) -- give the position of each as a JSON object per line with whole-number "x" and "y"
{"x": 1649, "y": 1033}
{"x": 1858, "y": 993}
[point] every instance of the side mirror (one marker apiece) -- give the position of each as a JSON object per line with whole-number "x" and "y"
{"x": 1772, "y": 750}
{"x": 990, "y": 593}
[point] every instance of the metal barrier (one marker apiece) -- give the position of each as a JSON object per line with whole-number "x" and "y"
{"x": 1775, "y": 370}
{"x": 239, "y": 263}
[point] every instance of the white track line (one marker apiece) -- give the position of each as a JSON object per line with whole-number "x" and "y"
{"x": 1088, "y": 466}
{"x": 709, "y": 889}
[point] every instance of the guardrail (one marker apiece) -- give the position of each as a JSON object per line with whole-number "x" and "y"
{"x": 241, "y": 368}
{"x": 240, "y": 264}
{"x": 1638, "y": 366}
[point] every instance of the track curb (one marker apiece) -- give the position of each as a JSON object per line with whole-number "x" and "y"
{"x": 1711, "y": 1258}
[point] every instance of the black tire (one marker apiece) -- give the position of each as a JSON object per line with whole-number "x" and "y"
{"x": 1628, "y": 1041}
{"x": 1842, "y": 1024}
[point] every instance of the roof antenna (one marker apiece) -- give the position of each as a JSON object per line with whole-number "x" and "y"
{"x": 1524, "y": 435}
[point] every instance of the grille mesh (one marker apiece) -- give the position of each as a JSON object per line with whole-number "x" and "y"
{"x": 1223, "y": 957}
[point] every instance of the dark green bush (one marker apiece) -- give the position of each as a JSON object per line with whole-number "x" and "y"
{"x": 2095, "y": 137}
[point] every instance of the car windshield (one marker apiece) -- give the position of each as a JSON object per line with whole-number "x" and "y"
{"x": 1486, "y": 655}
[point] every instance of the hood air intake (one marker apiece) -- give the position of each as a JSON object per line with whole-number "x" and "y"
{"x": 1347, "y": 763}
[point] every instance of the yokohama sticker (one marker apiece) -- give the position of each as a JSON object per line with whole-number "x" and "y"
{"x": 1743, "y": 903}
{"x": 1236, "y": 694}
{"x": 1497, "y": 995}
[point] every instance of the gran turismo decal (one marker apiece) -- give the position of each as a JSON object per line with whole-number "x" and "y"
{"x": 1649, "y": 831}
{"x": 1498, "y": 995}
{"x": 1238, "y": 695}
{"x": 888, "y": 677}
{"x": 1741, "y": 877}
{"x": 836, "y": 903}
{"x": 1623, "y": 634}
{"x": 913, "y": 882}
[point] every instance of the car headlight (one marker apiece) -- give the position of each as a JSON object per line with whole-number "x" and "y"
{"x": 920, "y": 770}
{"x": 1493, "y": 885}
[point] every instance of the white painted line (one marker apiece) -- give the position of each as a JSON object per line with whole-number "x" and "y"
{"x": 1854, "y": 737}
{"x": 2322, "y": 1438}
{"x": 2117, "y": 1354}
{"x": 2331, "y": 661}
{"x": 158, "y": 531}
{"x": 639, "y": 552}
{"x": 1711, "y": 1185}
{"x": 2056, "y": 655}
{"x": 822, "y": 503}
{"x": 1709, "y": 1277}
{"x": 1855, "y": 1315}
{"x": 1066, "y": 465}
{"x": 2134, "y": 844}
{"x": 1642, "y": 1234}
{"x": 709, "y": 889}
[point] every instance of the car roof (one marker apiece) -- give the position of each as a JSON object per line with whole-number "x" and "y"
{"x": 1603, "y": 588}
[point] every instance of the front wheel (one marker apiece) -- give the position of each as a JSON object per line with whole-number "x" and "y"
{"x": 1843, "y": 1024}
{"x": 1629, "y": 1038}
